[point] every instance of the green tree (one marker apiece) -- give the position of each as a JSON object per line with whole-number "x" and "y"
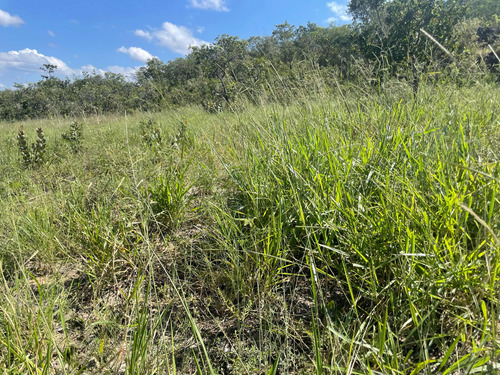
{"x": 391, "y": 30}
{"x": 48, "y": 69}
{"x": 223, "y": 61}
{"x": 486, "y": 9}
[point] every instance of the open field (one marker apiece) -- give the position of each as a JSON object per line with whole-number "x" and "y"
{"x": 353, "y": 232}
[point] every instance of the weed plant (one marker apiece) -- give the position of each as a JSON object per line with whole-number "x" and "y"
{"x": 74, "y": 137}
{"x": 168, "y": 198}
{"x": 35, "y": 155}
{"x": 353, "y": 231}
{"x": 23, "y": 147}
{"x": 38, "y": 148}
{"x": 150, "y": 134}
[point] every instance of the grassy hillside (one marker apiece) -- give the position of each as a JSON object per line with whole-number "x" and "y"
{"x": 350, "y": 232}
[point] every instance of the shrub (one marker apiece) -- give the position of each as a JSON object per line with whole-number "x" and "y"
{"x": 74, "y": 137}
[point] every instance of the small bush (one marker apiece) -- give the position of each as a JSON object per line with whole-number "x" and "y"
{"x": 74, "y": 137}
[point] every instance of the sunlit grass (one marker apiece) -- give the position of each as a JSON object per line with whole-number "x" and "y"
{"x": 356, "y": 232}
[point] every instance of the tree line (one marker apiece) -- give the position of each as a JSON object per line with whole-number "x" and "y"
{"x": 408, "y": 40}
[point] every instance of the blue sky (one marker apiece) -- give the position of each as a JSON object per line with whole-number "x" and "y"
{"x": 119, "y": 36}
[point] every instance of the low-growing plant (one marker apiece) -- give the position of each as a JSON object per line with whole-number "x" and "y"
{"x": 151, "y": 134}
{"x": 23, "y": 147}
{"x": 213, "y": 106}
{"x": 36, "y": 154}
{"x": 74, "y": 137}
{"x": 169, "y": 198}
{"x": 183, "y": 139}
{"x": 38, "y": 148}
{"x": 180, "y": 137}
{"x": 351, "y": 233}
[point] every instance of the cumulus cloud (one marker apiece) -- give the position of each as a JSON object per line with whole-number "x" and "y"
{"x": 30, "y": 60}
{"x": 174, "y": 37}
{"x": 127, "y": 72}
{"x": 24, "y": 66}
{"x": 8, "y": 20}
{"x": 339, "y": 11}
{"x": 136, "y": 53}
{"x": 144, "y": 34}
{"x": 218, "y": 5}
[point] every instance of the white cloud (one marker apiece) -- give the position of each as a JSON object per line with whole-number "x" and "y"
{"x": 174, "y": 37}
{"x": 7, "y": 20}
{"x": 144, "y": 34}
{"x": 89, "y": 68}
{"x": 51, "y": 33}
{"x": 24, "y": 66}
{"x": 29, "y": 60}
{"x": 218, "y": 5}
{"x": 339, "y": 11}
{"x": 136, "y": 53}
{"x": 127, "y": 72}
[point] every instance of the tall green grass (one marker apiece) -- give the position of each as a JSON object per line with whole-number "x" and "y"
{"x": 353, "y": 232}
